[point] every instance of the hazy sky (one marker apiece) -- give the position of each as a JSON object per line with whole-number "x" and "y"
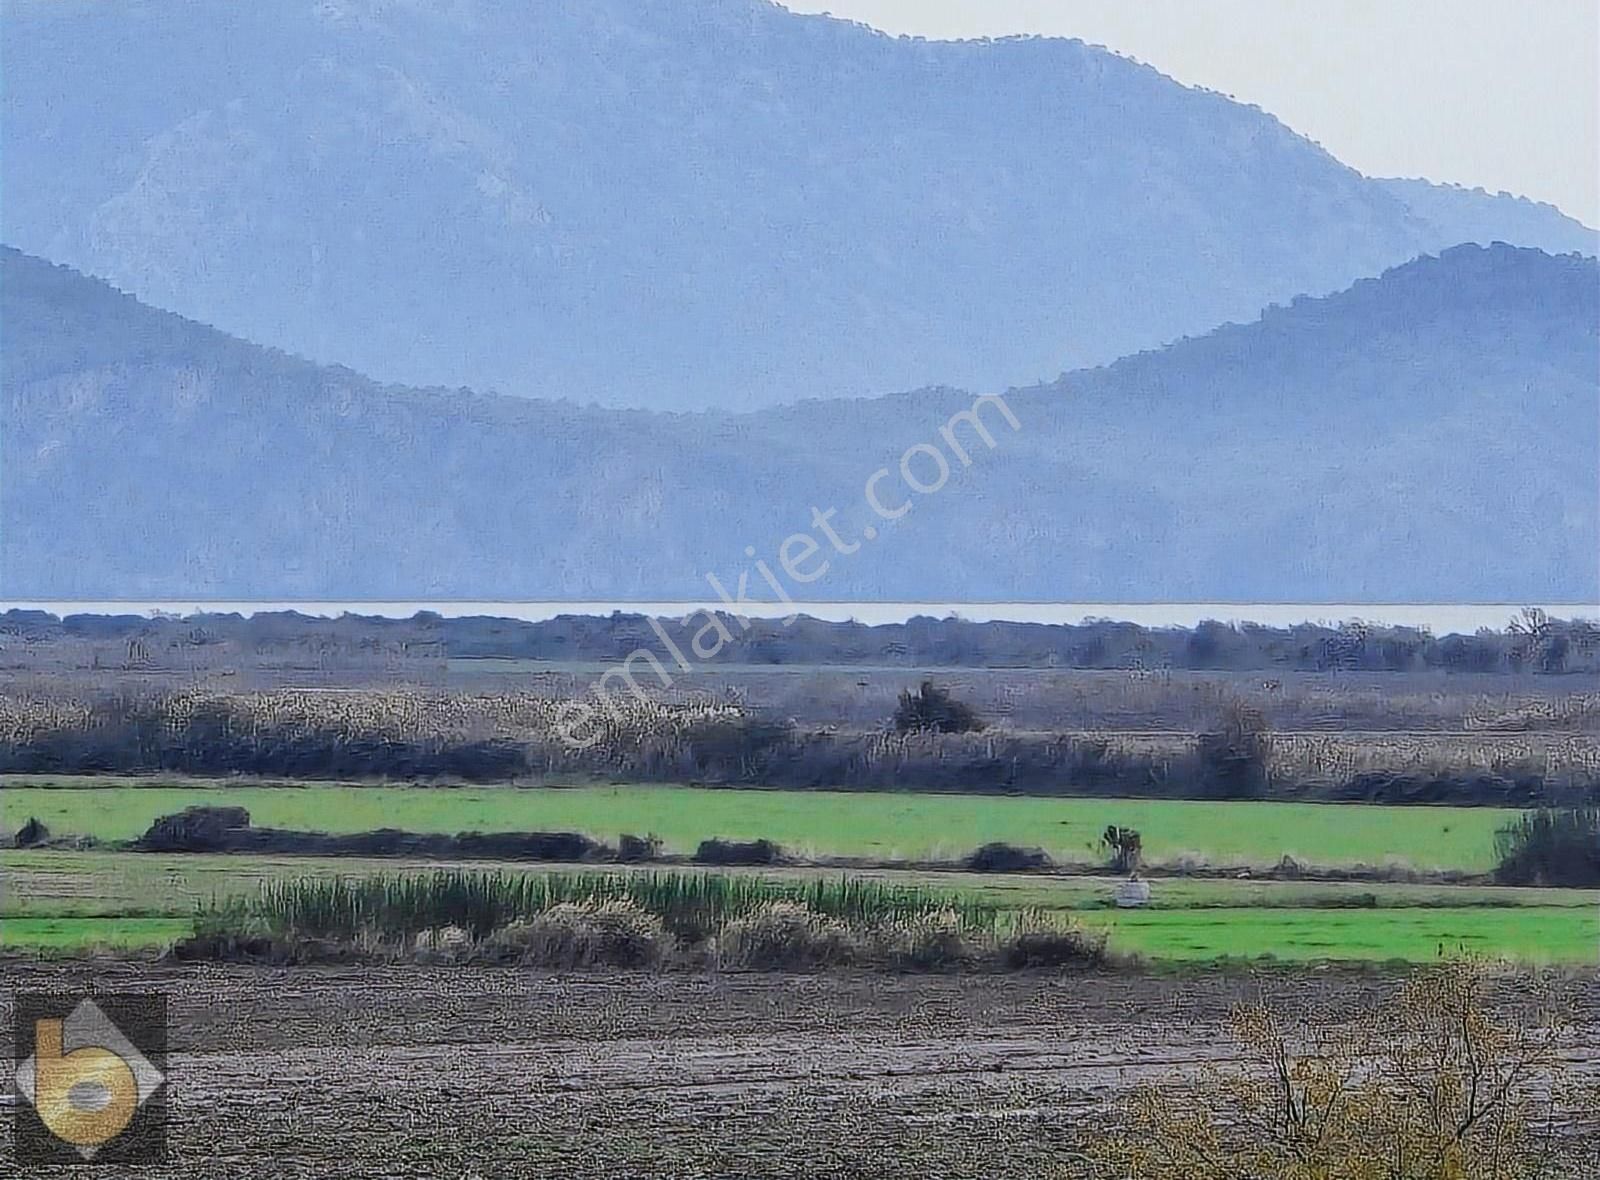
{"x": 1499, "y": 93}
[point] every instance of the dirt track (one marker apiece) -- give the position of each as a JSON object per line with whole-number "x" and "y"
{"x": 475, "y": 1072}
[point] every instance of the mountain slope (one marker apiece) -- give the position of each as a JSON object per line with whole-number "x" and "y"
{"x": 1457, "y": 215}
{"x": 664, "y": 203}
{"x": 1430, "y": 435}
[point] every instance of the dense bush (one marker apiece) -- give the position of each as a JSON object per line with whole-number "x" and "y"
{"x": 734, "y": 748}
{"x": 1233, "y": 758}
{"x": 738, "y": 852}
{"x": 32, "y": 834}
{"x": 1551, "y": 848}
{"x": 999, "y": 857}
{"x": 195, "y": 829}
{"x": 228, "y": 829}
{"x": 226, "y": 735}
{"x": 931, "y": 709}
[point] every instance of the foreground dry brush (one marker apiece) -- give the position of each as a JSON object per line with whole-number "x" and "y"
{"x": 1439, "y": 1085}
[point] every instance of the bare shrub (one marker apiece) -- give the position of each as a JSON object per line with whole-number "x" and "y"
{"x": 785, "y": 935}
{"x": 614, "y": 933}
{"x": 1040, "y": 941}
{"x": 926, "y": 942}
{"x": 633, "y": 849}
{"x": 1437, "y": 1086}
{"x": 445, "y": 940}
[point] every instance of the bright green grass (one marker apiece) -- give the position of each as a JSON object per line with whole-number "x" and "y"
{"x": 93, "y": 883}
{"x": 1536, "y": 934}
{"x": 63, "y": 900}
{"x": 80, "y": 934}
{"x": 824, "y": 823}
{"x": 1541, "y": 934}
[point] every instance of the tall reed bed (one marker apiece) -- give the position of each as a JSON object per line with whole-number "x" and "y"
{"x": 691, "y": 906}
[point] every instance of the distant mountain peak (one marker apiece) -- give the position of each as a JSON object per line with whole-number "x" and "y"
{"x": 675, "y": 203}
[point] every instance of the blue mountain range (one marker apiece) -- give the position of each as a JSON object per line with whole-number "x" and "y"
{"x": 1427, "y": 435}
{"x": 674, "y": 204}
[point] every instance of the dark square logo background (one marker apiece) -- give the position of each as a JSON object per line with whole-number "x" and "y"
{"x": 142, "y": 1018}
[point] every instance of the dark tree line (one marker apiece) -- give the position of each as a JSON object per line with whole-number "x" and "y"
{"x": 1531, "y": 643}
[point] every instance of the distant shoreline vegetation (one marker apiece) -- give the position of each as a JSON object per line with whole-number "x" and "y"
{"x": 1529, "y": 641}
{"x": 1441, "y": 618}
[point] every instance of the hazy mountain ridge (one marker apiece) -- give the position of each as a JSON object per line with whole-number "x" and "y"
{"x": 670, "y": 204}
{"x": 149, "y": 457}
{"x": 1457, "y": 214}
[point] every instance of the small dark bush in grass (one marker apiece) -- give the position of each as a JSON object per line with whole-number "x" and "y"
{"x": 1006, "y": 858}
{"x": 195, "y": 829}
{"x": 32, "y": 834}
{"x": 736, "y": 852}
{"x": 1551, "y": 848}
{"x": 932, "y": 709}
{"x": 568, "y": 846}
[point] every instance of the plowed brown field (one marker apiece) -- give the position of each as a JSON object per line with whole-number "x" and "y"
{"x": 474, "y": 1072}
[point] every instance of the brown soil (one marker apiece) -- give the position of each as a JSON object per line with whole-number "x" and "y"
{"x": 456, "y": 1072}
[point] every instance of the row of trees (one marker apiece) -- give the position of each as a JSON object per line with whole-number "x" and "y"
{"x": 1532, "y": 642}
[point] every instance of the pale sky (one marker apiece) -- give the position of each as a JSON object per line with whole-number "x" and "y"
{"x": 1499, "y": 93}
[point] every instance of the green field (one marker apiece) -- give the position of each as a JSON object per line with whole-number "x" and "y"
{"x": 74, "y": 900}
{"x": 1543, "y": 934}
{"x": 88, "y": 884}
{"x": 61, "y": 900}
{"x": 884, "y": 826}
{"x": 86, "y": 934}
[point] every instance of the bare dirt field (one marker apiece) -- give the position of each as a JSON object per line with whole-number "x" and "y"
{"x": 453, "y": 1072}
